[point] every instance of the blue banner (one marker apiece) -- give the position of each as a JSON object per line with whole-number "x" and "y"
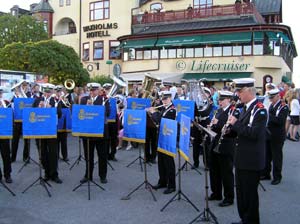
{"x": 184, "y": 137}
{"x": 39, "y": 123}
{"x": 135, "y": 125}
{"x": 19, "y": 105}
{"x": 6, "y": 123}
{"x": 65, "y": 122}
{"x": 88, "y": 120}
{"x": 138, "y": 103}
{"x": 186, "y": 107}
{"x": 167, "y": 137}
{"x": 113, "y": 110}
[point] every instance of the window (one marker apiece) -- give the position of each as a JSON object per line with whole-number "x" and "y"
{"x": 247, "y": 49}
{"x": 237, "y": 50}
{"x": 72, "y": 27}
{"x": 208, "y": 52}
{"x": 61, "y": 3}
{"x": 258, "y": 49}
{"x": 86, "y": 52}
{"x": 99, "y": 10}
{"x": 227, "y": 51}
{"x": 98, "y": 50}
{"x": 189, "y": 52}
{"x": 172, "y": 53}
{"x": 139, "y": 55}
{"x": 203, "y": 3}
{"x": 68, "y": 2}
{"x": 114, "y": 52}
{"x": 180, "y": 53}
{"x": 154, "y": 54}
{"x": 155, "y": 7}
{"x": 46, "y": 25}
{"x": 147, "y": 54}
{"x": 217, "y": 51}
{"x": 164, "y": 53}
{"x": 199, "y": 52}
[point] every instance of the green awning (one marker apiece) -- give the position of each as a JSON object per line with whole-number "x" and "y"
{"x": 217, "y": 76}
{"x": 240, "y": 37}
{"x": 139, "y": 43}
{"x": 258, "y": 36}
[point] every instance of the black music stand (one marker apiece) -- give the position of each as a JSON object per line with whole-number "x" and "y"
{"x": 40, "y": 179}
{"x": 207, "y": 215}
{"x": 27, "y": 161}
{"x": 179, "y": 192}
{"x": 185, "y": 165}
{"x": 89, "y": 181}
{"x": 148, "y": 186}
{"x": 78, "y": 160}
{"x": 140, "y": 158}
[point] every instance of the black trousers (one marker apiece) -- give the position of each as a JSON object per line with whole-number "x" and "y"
{"x": 5, "y": 151}
{"x": 49, "y": 156}
{"x": 101, "y": 147}
{"x": 247, "y": 196}
{"x": 62, "y": 142}
{"x": 151, "y": 144}
{"x": 17, "y": 132}
{"x": 112, "y": 139}
{"x": 221, "y": 174}
{"x": 166, "y": 170}
{"x": 274, "y": 155}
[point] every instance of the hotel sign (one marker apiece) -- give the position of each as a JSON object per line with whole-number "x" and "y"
{"x": 205, "y": 66}
{"x": 99, "y": 30}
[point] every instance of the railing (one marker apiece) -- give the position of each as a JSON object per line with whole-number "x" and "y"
{"x": 197, "y": 13}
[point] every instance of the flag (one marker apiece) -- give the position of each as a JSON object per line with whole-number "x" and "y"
{"x": 184, "y": 137}
{"x": 167, "y": 137}
{"x": 135, "y": 125}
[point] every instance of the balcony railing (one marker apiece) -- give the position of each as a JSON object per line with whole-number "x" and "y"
{"x": 197, "y": 13}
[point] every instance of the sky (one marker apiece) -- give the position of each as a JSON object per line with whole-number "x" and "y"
{"x": 291, "y": 17}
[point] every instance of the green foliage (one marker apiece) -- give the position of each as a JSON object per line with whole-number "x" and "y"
{"x": 23, "y": 29}
{"x": 59, "y": 62}
{"x": 101, "y": 79}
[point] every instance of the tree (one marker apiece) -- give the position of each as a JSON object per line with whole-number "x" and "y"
{"x": 20, "y": 29}
{"x": 59, "y": 62}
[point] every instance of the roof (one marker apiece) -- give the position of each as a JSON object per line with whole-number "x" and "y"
{"x": 268, "y": 6}
{"x": 43, "y": 6}
{"x": 197, "y": 25}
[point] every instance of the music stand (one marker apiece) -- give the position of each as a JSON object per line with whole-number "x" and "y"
{"x": 40, "y": 179}
{"x": 78, "y": 160}
{"x": 27, "y": 161}
{"x": 148, "y": 186}
{"x": 207, "y": 215}
{"x": 89, "y": 181}
{"x": 140, "y": 158}
{"x": 179, "y": 192}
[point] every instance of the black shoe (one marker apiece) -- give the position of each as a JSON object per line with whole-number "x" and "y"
{"x": 169, "y": 190}
{"x": 103, "y": 180}
{"x": 114, "y": 159}
{"x": 240, "y": 222}
{"x": 213, "y": 197}
{"x": 265, "y": 177}
{"x": 225, "y": 203}
{"x": 12, "y": 160}
{"x": 159, "y": 186}
{"x": 26, "y": 160}
{"x": 84, "y": 180}
{"x": 46, "y": 178}
{"x": 275, "y": 182}
{"x": 57, "y": 180}
{"x": 8, "y": 180}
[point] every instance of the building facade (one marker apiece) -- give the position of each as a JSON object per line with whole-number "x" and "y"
{"x": 218, "y": 40}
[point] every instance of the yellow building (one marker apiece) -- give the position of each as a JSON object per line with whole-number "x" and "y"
{"x": 178, "y": 39}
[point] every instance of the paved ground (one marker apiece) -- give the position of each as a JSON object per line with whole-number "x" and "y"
{"x": 279, "y": 204}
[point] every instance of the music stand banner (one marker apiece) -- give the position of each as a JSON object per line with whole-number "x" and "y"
{"x": 138, "y": 103}
{"x": 88, "y": 120}
{"x": 113, "y": 110}
{"x": 39, "y": 123}
{"x": 19, "y": 105}
{"x": 6, "y": 123}
{"x": 184, "y": 137}
{"x": 65, "y": 122}
{"x": 186, "y": 107}
{"x": 167, "y": 137}
{"x": 135, "y": 125}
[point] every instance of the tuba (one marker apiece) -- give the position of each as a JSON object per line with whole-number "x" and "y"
{"x": 148, "y": 84}
{"x": 69, "y": 84}
{"x": 197, "y": 94}
{"x": 118, "y": 84}
{"x": 18, "y": 87}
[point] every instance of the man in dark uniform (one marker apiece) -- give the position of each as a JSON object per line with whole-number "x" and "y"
{"x": 221, "y": 155}
{"x": 48, "y": 147}
{"x": 278, "y": 112}
{"x": 250, "y": 150}
{"x": 5, "y": 148}
{"x": 20, "y": 91}
{"x": 99, "y": 143}
{"x": 166, "y": 164}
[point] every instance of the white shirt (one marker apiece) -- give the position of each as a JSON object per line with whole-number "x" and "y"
{"x": 295, "y": 108}
{"x": 249, "y": 103}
